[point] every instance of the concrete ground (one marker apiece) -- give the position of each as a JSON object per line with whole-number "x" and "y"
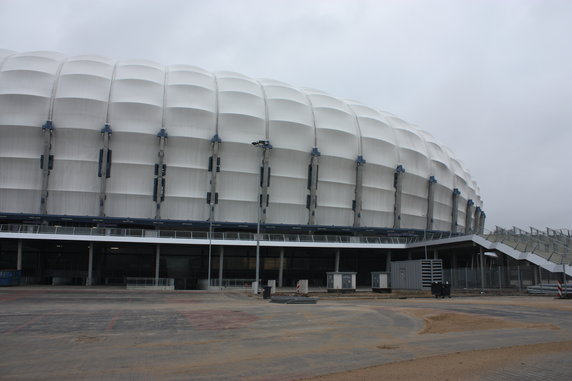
{"x": 67, "y": 333}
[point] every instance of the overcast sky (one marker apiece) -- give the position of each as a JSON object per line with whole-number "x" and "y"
{"x": 490, "y": 79}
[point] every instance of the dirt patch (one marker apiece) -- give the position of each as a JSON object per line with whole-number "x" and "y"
{"x": 437, "y": 321}
{"x": 454, "y": 366}
{"x": 218, "y": 319}
{"x": 87, "y": 339}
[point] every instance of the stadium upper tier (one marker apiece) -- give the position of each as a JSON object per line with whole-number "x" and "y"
{"x": 92, "y": 136}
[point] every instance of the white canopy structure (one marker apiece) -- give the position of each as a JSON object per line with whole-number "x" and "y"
{"x": 91, "y": 136}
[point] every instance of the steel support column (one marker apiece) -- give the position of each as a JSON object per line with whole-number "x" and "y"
{"x": 337, "y": 261}
{"x": 360, "y": 162}
{"x": 398, "y": 185}
{"x": 19, "y": 256}
{"x": 455, "y": 210}
{"x": 388, "y": 262}
{"x": 312, "y": 198}
{"x": 281, "y": 268}
{"x": 220, "y": 265}
{"x": 482, "y": 222}
{"x": 214, "y": 169}
{"x": 160, "y": 172}
{"x": 104, "y": 167}
{"x": 482, "y": 262}
{"x": 469, "y": 217}
{"x": 157, "y": 263}
{"x": 46, "y": 164}
{"x": 477, "y": 221}
{"x": 265, "y": 181}
{"x": 89, "y": 280}
{"x": 430, "y": 201}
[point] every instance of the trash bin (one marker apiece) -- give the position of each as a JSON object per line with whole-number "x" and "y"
{"x": 440, "y": 290}
{"x": 266, "y": 291}
{"x": 446, "y": 290}
{"x": 436, "y": 289}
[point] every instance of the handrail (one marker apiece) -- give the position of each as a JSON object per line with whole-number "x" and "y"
{"x": 226, "y": 236}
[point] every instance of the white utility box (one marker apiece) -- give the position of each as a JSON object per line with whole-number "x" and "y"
{"x": 380, "y": 281}
{"x": 341, "y": 281}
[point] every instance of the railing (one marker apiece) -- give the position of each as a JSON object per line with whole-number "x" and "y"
{"x": 548, "y": 245}
{"x": 270, "y": 237}
{"x": 150, "y": 283}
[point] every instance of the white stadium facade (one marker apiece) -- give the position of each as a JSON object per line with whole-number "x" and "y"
{"x": 114, "y": 169}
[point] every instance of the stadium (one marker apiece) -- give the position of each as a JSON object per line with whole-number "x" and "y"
{"x": 130, "y": 169}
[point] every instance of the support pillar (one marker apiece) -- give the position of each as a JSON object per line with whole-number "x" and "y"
{"x": 477, "y": 221}
{"x": 312, "y": 198}
{"x": 19, "y": 256}
{"x": 89, "y": 280}
{"x": 519, "y": 276}
{"x": 104, "y": 167}
{"x": 214, "y": 169}
{"x": 337, "y": 261}
{"x": 398, "y": 185}
{"x": 455, "y": 210}
{"x": 157, "y": 262}
{"x": 220, "y": 265}
{"x": 482, "y": 222}
{"x": 482, "y": 262}
{"x": 281, "y": 268}
{"x": 388, "y": 262}
{"x": 435, "y": 254}
{"x": 360, "y": 162}
{"x": 160, "y": 172}
{"x": 430, "y": 202}
{"x": 469, "y": 217}
{"x": 264, "y": 181}
{"x": 46, "y": 164}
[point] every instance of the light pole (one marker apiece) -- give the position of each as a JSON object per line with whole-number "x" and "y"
{"x": 265, "y": 146}
{"x": 210, "y": 242}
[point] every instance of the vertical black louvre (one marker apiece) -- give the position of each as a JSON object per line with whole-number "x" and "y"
{"x": 100, "y": 164}
{"x": 210, "y": 163}
{"x": 108, "y": 167}
{"x": 309, "y": 176}
{"x": 155, "y": 183}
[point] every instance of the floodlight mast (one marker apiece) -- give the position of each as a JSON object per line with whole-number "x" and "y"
{"x": 264, "y": 145}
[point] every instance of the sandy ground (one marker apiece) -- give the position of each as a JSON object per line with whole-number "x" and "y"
{"x": 456, "y": 366}
{"x": 94, "y": 334}
{"x": 460, "y": 365}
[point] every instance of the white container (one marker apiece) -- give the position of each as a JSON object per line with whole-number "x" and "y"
{"x": 380, "y": 281}
{"x": 341, "y": 281}
{"x": 272, "y": 283}
{"x": 302, "y": 286}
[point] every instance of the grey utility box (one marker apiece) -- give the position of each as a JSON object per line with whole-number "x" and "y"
{"x": 341, "y": 282}
{"x": 416, "y": 274}
{"x": 380, "y": 281}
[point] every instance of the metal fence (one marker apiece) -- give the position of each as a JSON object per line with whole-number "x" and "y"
{"x": 133, "y": 283}
{"x": 516, "y": 278}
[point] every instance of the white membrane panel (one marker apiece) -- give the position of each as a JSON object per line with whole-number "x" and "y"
{"x": 138, "y": 98}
